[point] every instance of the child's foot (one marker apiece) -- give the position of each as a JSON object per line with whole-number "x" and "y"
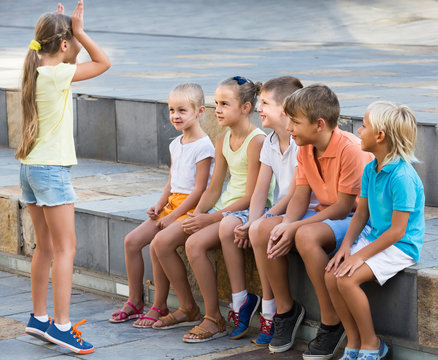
{"x": 128, "y": 311}
{"x": 181, "y": 317}
{"x": 350, "y": 354}
{"x": 37, "y": 328}
{"x": 266, "y": 330}
{"x": 243, "y": 318}
{"x": 209, "y": 329}
{"x": 150, "y": 318}
{"x": 71, "y": 339}
{"x": 325, "y": 344}
{"x": 374, "y": 354}
{"x": 286, "y": 329}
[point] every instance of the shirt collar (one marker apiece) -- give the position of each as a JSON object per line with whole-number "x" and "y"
{"x": 390, "y": 166}
{"x": 333, "y": 144}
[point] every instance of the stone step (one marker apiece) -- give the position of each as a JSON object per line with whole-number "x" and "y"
{"x": 113, "y": 201}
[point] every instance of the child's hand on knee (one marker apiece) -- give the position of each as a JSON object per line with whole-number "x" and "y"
{"x": 281, "y": 240}
{"x": 349, "y": 266}
{"x": 341, "y": 255}
{"x": 241, "y": 236}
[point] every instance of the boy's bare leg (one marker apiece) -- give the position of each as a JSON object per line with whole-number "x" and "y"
{"x": 233, "y": 255}
{"x": 41, "y": 260}
{"x": 135, "y": 241}
{"x": 359, "y": 306}
{"x": 266, "y": 286}
{"x": 313, "y": 242}
{"x": 276, "y": 270}
{"x": 197, "y": 246}
{"x": 165, "y": 245}
{"x": 343, "y": 311}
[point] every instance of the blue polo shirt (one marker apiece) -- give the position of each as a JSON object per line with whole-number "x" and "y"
{"x": 396, "y": 187}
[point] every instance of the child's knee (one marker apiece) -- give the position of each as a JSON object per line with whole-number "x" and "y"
{"x": 346, "y": 284}
{"x": 330, "y": 280}
{"x": 227, "y": 226}
{"x": 305, "y": 239}
{"x": 194, "y": 248}
{"x": 259, "y": 233}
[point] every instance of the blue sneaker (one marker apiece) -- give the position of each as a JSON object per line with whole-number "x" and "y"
{"x": 37, "y": 328}
{"x": 243, "y": 318}
{"x": 266, "y": 330}
{"x": 374, "y": 354}
{"x": 70, "y": 339}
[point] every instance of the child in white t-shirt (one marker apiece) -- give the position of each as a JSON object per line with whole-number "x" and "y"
{"x": 278, "y": 157}
{"x": 192, "y": 157}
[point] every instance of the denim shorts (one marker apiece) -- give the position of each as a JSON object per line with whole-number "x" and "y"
{"x": 46, "y": 185}
{"x": 242, "y": 215}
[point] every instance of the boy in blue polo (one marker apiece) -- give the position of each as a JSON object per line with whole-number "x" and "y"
{"x": 392, "y": 199}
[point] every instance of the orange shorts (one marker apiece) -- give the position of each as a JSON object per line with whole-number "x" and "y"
{"x": 173, "y": 202}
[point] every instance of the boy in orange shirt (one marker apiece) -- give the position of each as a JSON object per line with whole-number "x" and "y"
{"x": 330, "y": 163}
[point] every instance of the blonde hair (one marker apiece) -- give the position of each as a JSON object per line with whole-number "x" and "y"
{"x": 192, "y": 92}
{"x": 400, "y": 127}
{"x": 50, "y": 30}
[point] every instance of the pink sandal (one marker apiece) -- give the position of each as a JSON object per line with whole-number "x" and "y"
{"x": 124, "y": 316}
{"x": 143, "y": 317}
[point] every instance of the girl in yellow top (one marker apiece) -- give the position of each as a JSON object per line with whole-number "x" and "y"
{"x": 47, "y": 152}
{"x": 237, "y": 150}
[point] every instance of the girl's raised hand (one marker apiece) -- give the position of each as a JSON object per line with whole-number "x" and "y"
{"x": 77, "y": 18}
{"x": 153, "y": 212}
{"x": 60, "y": 9}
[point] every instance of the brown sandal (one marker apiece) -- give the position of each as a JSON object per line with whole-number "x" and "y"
{"x": 170, "y": 322}
{"x": 206, "y": 335}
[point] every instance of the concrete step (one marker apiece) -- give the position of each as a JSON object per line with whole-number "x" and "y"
{"x": 113, "y": 200}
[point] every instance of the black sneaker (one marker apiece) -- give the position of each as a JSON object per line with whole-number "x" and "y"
{"x": 286, "y": 329}
{"x": 325, "y": 344}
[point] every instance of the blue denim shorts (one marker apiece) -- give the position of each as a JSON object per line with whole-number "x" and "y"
{"x": 243, "y": 215}
{"x": 46, "y": 185}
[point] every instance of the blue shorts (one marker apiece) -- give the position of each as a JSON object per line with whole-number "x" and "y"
{"x": 46, "y": 185}
{"x": 243, "y": 215}
{"x": 339, "y": 227}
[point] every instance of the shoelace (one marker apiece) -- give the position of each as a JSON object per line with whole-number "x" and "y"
{"x": 265, "y": 325}
{"x": 322, "y": 338}
{"x": 235, "y": 316}
{"x": 78, "y": 333}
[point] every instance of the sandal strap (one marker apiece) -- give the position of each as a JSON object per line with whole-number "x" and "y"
{"x": 148, "y": 318}
{"x": 220, "y": 323}
{"x": 200, "y": 332}
{"x": 191, "y": 314}
{"x": 168, "y": 320}
{"x": 161, "y": 312}
{"x": 137, "y": 311}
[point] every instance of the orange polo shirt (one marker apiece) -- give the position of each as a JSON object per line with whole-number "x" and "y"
{"x": 341, "y": 167}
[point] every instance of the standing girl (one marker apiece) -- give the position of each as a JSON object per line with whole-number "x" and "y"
{"x": 237, "y": 150}
{"x": 392, "y": 199}
{"x": 47, "y": 152}
{"x": 192, "y": 156}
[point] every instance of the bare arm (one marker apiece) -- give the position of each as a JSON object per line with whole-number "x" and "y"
{"x": 99, "y": 61}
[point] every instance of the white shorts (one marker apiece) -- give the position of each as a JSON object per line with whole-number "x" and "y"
{"x": 385, "y": 264}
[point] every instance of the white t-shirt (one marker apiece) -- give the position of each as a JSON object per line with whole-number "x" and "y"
{"x": 283, "y": 165}
{"x": 184, "y": 158}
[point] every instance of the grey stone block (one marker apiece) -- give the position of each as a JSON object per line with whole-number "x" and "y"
{"x": 4, "y": 141}
{"x": 92, "y": 242}
{"x": 136, "y": 132}
{"x": 426, "y": 150}
{"x": 96, "y": 137}
{"x": 118, "y": 229}
{"x": 394, "y": 306}
{"x": 166, "y": 133}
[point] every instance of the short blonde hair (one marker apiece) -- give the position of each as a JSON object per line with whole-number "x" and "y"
{"x": 193, "y": 93}
{"x": 400, "y": 127}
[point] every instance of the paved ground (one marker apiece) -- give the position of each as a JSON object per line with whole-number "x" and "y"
{"x": 364, "y": 51}
{"x": 112, "y": 341}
